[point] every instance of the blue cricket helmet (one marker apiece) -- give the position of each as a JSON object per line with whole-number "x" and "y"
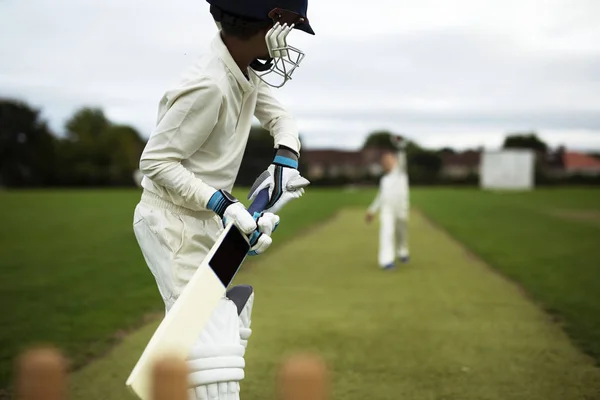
{"x": 266, "y": 10}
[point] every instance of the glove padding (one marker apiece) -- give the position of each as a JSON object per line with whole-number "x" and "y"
{"x": 261, "y": 238}
{"x": 284, "y": 184}
{"x": 259, "y": 226}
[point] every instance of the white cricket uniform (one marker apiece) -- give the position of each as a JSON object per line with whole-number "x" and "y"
{"x": 196, "y": 149}
{"x": 392, "y": 202}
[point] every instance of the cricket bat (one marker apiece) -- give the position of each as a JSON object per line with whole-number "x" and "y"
{"x": 181, "y": 327}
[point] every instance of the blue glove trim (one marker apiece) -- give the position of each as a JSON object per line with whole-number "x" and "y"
{"x": 218, "y": 203}
{"x": 286, "y": 162}
{"x": 254, "y": 238}
{"x": 252, "y": 253}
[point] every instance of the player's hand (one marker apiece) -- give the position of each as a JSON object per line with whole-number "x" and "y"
{"x": 283, "y": 180}
{"x": 230, "y": 209}
{"x": 261, "y": 238}
{"x": 369, "y": 217}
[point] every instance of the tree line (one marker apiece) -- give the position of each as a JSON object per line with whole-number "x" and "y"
{"x": 94, "y": 151}
{"x": 425, "y": 165}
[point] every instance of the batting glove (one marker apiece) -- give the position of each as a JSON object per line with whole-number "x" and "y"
{"x": 260, "y": 240}
{"x": 283, "y": 180}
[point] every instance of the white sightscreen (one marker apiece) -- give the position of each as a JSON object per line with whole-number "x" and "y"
{"x": 507, "y": 169}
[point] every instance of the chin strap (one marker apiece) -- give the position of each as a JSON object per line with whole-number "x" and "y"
{"x": 259, "y": 66}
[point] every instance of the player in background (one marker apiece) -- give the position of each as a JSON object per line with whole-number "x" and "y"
{"x": 392, "y": 203}
{"x": 191, "y": 162}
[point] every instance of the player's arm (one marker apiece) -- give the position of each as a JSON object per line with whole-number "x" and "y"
{"x": 179, "y": 134}
{"x": 282, "y": 177}
{"x": 374, "y": 207}
{"x": 275, "y": 118}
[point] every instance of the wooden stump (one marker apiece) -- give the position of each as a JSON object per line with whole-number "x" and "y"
{"x": 169, "y": 380}
{"x": 41, "y": 375}
{"x": 303, "y": 377}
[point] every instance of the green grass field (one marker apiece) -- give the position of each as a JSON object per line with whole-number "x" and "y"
{"x": 71, "y": 272}
{"x": 548, "y": 241}
{"x": 446, "y": 327}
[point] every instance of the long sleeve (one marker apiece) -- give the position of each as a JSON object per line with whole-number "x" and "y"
{"x": 273, "y": 117}
{"x": 376, "y": 204}
{"x": 180, "y": 132}
{"x": 405, "y": 189}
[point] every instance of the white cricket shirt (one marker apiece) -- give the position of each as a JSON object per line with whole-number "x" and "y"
{"x": 393, "y": 192}
{"x": 203, "y": 127}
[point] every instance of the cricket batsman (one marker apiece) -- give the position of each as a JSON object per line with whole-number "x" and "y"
{"x": 191, "y": 162}
{"x": 392, "y": 203}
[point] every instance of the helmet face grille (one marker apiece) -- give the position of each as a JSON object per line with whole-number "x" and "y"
{"x": 284, "y": 58}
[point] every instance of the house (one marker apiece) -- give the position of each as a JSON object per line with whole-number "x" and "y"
{"x": 563, "y": 163}
{"x": 574, "y": 163}
{"x": 460, "y": 165}
{"x": 332, "y": 163}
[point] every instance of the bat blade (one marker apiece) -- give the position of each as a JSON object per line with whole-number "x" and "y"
{"x": 181, "y": 327}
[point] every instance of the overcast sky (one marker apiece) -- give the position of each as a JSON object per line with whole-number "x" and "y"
{"x": 456, "y": 73}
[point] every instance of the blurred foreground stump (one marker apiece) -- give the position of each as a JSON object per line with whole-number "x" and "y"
{"x": 303, "y": 377}
{"x": 169, "y": 379}
{"x": 41, "y": 375}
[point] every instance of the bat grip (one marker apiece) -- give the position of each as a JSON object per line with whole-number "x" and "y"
{"x": 260, "y": 202}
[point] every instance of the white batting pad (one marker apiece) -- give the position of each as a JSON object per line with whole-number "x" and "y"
{"x": 216, "y": 362}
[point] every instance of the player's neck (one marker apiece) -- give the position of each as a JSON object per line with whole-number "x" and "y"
{"x": 239, "y": 52}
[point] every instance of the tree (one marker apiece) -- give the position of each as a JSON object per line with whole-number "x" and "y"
{"x": 423, "y": 165}
{"x": 27, "y": 152}
{"x": 381, "y": 140}
{"x": 447, "y": 150}
{"x": 528, "y": 140}
{"x": 127, "y": 148}
{"x": 87, "y": 125}
{"x": 98, "y": 152}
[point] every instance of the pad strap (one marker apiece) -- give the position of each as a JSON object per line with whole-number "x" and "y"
{"x": 216, "y": 364}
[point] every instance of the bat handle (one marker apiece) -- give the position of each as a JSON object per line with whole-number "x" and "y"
{"x": 260, "y": 202}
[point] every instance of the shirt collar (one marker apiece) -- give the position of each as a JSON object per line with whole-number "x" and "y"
{"x": 223, "y": 53}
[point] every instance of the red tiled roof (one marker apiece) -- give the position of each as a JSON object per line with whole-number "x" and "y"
{"x": 574, "y": 160}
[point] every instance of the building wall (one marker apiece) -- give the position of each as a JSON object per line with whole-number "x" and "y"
{"x": 589, "y": 171}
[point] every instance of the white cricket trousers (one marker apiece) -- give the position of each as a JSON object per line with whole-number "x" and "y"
{"x": 174, "y": 241}
{"x": 393, "y": 235}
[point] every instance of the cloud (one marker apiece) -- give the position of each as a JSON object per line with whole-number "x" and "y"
{"x": 455, "y": 73}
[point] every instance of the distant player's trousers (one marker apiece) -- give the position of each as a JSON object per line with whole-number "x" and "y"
{"x": 174, "y": 242}
{"x": 393, "y": 235}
